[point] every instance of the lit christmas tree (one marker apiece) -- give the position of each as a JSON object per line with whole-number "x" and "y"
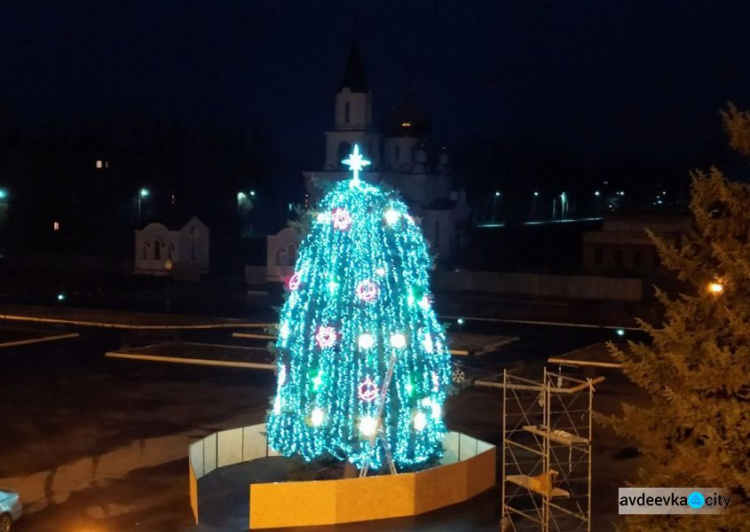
{"x": 363, "y": 365}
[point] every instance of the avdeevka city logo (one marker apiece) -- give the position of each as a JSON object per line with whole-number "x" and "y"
{"x": 696, "y": 500}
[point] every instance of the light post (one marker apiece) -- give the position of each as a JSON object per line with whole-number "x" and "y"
{"x": 245, "y": 203}
{"x": 168, "y": 269}
{"x": 494, "y": 205}
{"x": 142, "y": 194}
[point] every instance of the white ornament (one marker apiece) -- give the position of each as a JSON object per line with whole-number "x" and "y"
{"x": 398, "y": 341}
{"x": 368, "y": 425}
{"x": 277, "y": 405}
{"x": 380, "y": 271}
{"x": 424, "y": 303}
{"x": 392, "y": 216}
{"x": 284, "y": 331}
{"x": 324, "y": 218}
{"x": 420, "y": 421}
{"x": 366, "y": 341}
{"x": 317, "y": 416}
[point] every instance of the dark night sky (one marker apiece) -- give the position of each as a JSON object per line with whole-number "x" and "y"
{"x": 597, "y": 74}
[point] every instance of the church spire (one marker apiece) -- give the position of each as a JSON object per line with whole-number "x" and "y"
{"x": 354, "y": 73}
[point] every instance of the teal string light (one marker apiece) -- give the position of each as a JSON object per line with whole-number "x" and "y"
{"x": 360, "y": 294}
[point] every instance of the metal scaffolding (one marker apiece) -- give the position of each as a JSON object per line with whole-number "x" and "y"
{"x": 546, "y": 462}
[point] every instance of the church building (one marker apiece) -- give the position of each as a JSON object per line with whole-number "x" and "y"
{"x": 399, "y": 156}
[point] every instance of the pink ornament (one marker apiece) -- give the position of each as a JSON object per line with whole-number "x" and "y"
{"x": 367, "y": 390}
{"x": 294, "y": 281}
{"x": 325, "y": 337}
{"x": 341, "y": 219}
{"x": 367, "y": 291}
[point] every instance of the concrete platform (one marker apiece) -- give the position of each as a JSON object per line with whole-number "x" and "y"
{"x": 10, "y": 337}
{"x": 200, "y": 354}
{"x": 592, "y": 356}
{"x": 117, "y": 319}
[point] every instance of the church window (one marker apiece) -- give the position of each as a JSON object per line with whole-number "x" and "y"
{"x": 157, "y": 249}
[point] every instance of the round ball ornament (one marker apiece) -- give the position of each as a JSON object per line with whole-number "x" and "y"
{"x": 367, "y": 390}
{"x": 367, "y": 291}
{"x": 294, "y": 281}
{"x": 341, "y": 219}
{"x": 325, "y": 337}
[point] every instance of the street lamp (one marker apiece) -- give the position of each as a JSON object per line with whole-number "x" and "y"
{"x": 716, "y": 288}
{"x": 3, "y": 193}
{"x": 142, "y": 194}
{"x": 494, "y": 205}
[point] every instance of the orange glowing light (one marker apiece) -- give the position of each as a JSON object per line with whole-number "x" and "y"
{"x": 715, "y": 288}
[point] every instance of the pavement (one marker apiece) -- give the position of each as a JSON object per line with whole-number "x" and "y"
{"x": 116, "y": 319}
{"x": 100, "y": 444}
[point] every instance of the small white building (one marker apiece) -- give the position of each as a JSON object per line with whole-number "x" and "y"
{"x": 186, "y": 249}
{"x": 281, "y": 255}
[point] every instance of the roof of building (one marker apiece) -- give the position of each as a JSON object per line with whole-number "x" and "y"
{"x": 406, "y": 119}
{"x": 354, "y": 72}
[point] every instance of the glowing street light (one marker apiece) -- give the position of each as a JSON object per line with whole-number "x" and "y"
{"x": 597, "y": 193}
{"x": 536, "y": 194}
{"x": 142, "y": 194}
{"x": 716, "y": 288}
{"x": 3, "y": 193}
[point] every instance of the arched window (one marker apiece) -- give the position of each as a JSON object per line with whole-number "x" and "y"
{"x": 346, "y": 113}
{"x": 170, "y": 248}
{"x": 344, "y": 150}
{"x": 157, "y": 249}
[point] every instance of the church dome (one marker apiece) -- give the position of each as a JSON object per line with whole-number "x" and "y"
{"x": 406, "y": 119}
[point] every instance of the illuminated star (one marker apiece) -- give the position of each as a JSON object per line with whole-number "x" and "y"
{"x": 356, "y": 163}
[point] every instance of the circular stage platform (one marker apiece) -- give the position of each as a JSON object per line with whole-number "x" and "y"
{"x": 238, "y": 483}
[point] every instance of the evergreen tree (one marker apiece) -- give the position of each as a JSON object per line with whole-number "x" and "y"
{"x": 696, "y": 370}
{"x": 363, "y": 365}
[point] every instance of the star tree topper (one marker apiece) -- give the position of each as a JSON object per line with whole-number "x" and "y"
{"x": 356, "y": 163}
